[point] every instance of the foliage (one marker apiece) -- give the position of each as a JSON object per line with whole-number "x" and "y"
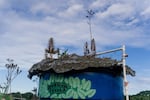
{"x": 5, "y": 96}
{"x": 26, "y": 96}
{"x": 143, "y": 95}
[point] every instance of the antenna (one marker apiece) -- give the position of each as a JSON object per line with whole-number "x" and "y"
{"x": 89, "y": 17}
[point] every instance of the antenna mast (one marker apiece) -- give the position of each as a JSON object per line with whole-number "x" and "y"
{"x": 89, "y": 17}
{"x": 93, "y": 46}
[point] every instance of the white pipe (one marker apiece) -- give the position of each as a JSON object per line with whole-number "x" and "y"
{"x": 109, "y": 51}
{"x": 124, "y": 72}
{"x": 123, "y": 65}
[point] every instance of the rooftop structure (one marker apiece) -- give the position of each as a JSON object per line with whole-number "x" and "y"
{"x": 67, "y": 69}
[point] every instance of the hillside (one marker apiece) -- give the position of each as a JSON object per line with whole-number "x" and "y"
{"x": 143, "y": 95}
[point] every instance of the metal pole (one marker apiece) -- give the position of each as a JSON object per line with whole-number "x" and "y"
{"x": 90, "y": 28}
{"x": 89, "y": 16}
{"x": 123, "y": 64}
{"x": 124, "y": 72}
{"x": 108, "y": 51}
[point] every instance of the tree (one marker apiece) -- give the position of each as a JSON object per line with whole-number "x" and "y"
{"x": 143, "y": 95}
{"x": 12, "y": 72}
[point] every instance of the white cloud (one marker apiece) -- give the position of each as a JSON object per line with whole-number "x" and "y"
{"x": 28, "y": 38}
{"x": 42, "y": 7}
{"x": 4, "y": 4}
{"x": 134, "y": 21}
{"x": 71, "y": 11}
{"x": 117, "y": 11}
{"x": 100, "y": 4}
{"x": 140, "y": 82}
{"x": 146, "y": 13}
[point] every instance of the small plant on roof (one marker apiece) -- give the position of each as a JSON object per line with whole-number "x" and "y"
{"x": 51, "y": 49}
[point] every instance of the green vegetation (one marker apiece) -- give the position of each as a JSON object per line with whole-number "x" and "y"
{"x": 24, "y": 96}
{"x": 7, "y": 97}
{"x": 143, "y": 95}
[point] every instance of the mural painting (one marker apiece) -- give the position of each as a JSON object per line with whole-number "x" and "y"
{"x": 58, "y": 86}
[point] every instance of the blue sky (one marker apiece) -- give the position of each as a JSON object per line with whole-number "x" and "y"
{"x": 26, "y": 26}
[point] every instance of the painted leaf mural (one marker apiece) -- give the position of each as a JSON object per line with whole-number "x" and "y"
{"x": 58, "y": 86}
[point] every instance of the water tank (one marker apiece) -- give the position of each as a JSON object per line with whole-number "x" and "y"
{"x": 86, "y": 85}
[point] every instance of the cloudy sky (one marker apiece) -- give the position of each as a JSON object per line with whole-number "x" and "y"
{"x": 27, "y": 25}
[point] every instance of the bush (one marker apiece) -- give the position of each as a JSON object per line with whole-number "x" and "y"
{"x": 5, "y": 97}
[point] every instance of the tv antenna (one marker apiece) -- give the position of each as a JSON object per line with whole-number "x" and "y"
{"x": 91, "y": 52}
{"x": 89, "y": 17}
